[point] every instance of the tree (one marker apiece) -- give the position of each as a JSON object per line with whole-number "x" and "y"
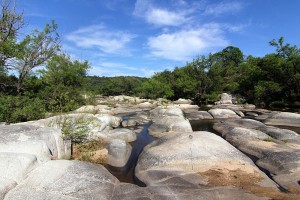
{"x": 10, "y": 23}
{"x": 35, "y": 50}
{"x": 153, "y": 89}
{"x": 284, "y": 50}
{"x": 64, "y": 79}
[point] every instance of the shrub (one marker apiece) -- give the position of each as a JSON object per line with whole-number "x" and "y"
{"x": 15, "y": 109}
{"x": 74, "y": 129}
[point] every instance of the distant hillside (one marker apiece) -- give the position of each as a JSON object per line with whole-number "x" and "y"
{"x": 119, "y": 85}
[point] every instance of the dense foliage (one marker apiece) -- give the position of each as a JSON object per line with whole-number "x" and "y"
{"x": 108, "y": 86}
{"x": 272, "y": 80}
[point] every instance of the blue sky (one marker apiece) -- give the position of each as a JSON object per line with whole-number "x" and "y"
{"x": 140, "y": 37}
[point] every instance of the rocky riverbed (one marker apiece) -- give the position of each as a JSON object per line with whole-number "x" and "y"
{"x": 249, "y": 156}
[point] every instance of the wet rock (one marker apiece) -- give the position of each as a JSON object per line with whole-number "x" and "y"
{"x": 118, "y": 153}
{"x": 284, "y": 119}
{"x": 66, "y": 180}
{"x": 218, "y": 113}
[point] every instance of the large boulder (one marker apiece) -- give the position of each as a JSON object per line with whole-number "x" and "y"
{"x": 169, "y": 124}
{"x": 183, "y": 101}
{"x": 197, "y": 115}
{"x": 273, "y": 149}
{"x": 108, "y": 120}
{"x": 200, "y": 159}
{"x": 14, "y": 168}
{"x": 122, "y": 134}
{"x": 219, "y": 113}
{"x": 118, "y": 153}
{"x": 226, "y": 98}
{"x": 21, "y": 133}
{"x": 65, "y": 179}
{"x": 284, "y": 119}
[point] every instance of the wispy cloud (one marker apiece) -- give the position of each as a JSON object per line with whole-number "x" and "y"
{"x": 184, "y": 45}
{"x": 98, "y": 36}
{"x": 159, "y": 16}
{"x": 223, "y": 8}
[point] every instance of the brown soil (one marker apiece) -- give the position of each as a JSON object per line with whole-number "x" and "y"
{"x": 248, "y": 182}
{"x": 93, "y": 152}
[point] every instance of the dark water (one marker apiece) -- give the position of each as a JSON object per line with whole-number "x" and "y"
{"x": 126, "y": 173}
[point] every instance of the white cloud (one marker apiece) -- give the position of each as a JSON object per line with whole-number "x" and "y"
{"x": 223, "y": 7}
{"x": 159, "y": 16}
{"x": 186, "y": 44}
{"x": 97, "y": 36}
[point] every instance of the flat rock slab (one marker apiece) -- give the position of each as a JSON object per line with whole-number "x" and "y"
{"x": 219, "y": 113}
{"x": 284, "y": 119}
{"x": 120, "y": 133}
{"x": 275, "y": 150}
{"x": 66, "y": 180}
{"x": 189, "y": 161}
{"x": 196, "y": 115}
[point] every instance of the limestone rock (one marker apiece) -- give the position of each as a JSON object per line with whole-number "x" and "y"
{"x": 118, "y": 153}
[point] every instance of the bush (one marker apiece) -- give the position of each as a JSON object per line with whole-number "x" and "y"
{"x": 74, "y": 129}
{"x": 15, "y": 109}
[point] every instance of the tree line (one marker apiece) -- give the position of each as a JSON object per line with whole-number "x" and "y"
{"x": 272, "y": 80}
{"x": 62, "y": 84}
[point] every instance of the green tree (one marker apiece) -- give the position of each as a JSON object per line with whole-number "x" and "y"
{"x": 153, "y": 89}
{"x": 64, "y": 79}
{"x": 284, "y": 50}
{"x": 35, "y": 50}
{"x": 10, "y": 23}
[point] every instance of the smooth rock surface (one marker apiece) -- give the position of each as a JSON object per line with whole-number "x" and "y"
{"x": 219, "y": 113}
{"x": 122, "y": 134}
{"x": 196, "y": 115}
{"x": 169, "y": 124}
{"x": 63, "y": 179}
{"x": 118, "y": 153}
{"x": 284, "y": 119}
